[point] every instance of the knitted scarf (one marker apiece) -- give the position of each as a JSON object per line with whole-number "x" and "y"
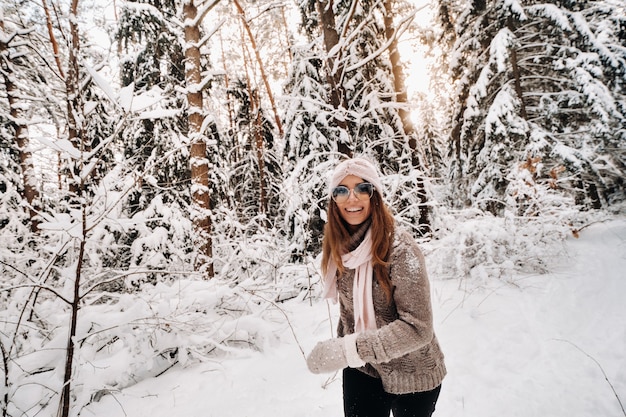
{"x": 359, "y": 259}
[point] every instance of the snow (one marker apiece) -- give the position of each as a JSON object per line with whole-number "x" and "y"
{"x": 548, "y": 344}
{"x": 553, "y": 13}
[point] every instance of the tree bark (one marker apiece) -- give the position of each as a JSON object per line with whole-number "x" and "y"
{"x": 198, "y": 152}
{"x": 260, "y": 146}
{"x": 75, "y": 306}
{"x": 74, "y": 101}
{"x": 256, "y": 124}
{"x": 257, "y": 55}
{"x": 405, "y": 114}
{"x": 333, "y": 69}
{"x": 20, "y": 131}
{"x": 398, "y": 72}
{"x": 76, "y": 185}
{"x": 53, "y": 41}
{"x": 516, "y": 74}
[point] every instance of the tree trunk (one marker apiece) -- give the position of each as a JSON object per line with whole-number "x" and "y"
{"x": 75, "y": 306}
{"x": 20, "y": 130}
{"x": 516, "y": 74}
{"x": 198, "y": 152}
{"x": 53, "y": 41}
{"x": 5, "y": 369}
{"x": 396, "y": 68}
{"x": 256, "y": 126}
{"x": 260, "y": 146}
{"x": 74, "y": 101}
{"x": 229, "y": 105}
{"x": 333, "y": 74}
{"x": 257, "y": 55}
{"x": 405, "y": 114}
{"x": 31, "y": 193}
{"x": 76, "y": 185}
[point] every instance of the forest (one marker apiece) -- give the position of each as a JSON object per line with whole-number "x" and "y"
{"x": 148, "y": 142}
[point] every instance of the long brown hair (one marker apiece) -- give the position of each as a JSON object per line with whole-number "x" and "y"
{"x": 337, "y": 234}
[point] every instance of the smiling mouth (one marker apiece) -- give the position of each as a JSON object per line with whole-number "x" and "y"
{"x": 354, "y": 210}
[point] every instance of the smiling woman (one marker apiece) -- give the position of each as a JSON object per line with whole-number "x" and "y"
{"x": 353, "y": 199}
{"x": 385, "y": 343}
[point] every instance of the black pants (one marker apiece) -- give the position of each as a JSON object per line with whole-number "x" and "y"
{"x": 363, "y": 396}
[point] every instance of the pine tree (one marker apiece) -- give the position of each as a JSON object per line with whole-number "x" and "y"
{"x": 257, "y": 166}
{"x": 363, "y": 98}
{"x": 249, "y": 169}
{"x": 152, "y": 65}
{"x": 309, "y": 128}
{"x": 17, "y": 66}
{"x": 540, "y": 102}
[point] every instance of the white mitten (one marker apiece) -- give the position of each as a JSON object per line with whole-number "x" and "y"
{"x": 334, "y": 354}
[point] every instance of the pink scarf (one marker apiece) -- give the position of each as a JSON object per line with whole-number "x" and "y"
{"x": 360, "y": 259}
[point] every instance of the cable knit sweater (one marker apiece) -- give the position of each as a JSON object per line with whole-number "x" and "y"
{"x": 403, "y": 351}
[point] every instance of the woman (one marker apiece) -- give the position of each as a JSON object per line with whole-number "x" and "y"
{"x": 385, "y": 343}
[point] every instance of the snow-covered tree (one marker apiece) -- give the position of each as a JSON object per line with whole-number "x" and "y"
{"x": 14, "y": 60}
{"x": 539, "y": 105}
{"x": 343, "y": 99}
{"x": 154, "y": 138}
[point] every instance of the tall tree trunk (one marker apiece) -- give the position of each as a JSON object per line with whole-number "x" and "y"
{"x": 516, "y": 74}
{"x": 256, "y": 124}
{"x": 76, "y": 186}
{"x": 229, "y": 105}
{"x": 29, "y": 180}
{"x": 198, "y": 152}
{"x": 260, "y": 146}
{"x": 396, "y": 68}
{"x": 74, "y": 307}
{"x": 53, "y": 40}
{"x": 257, "y": 55}
{"x": 405, "y": 114}
{"x": 20, "y": 130}
{"x": 75, "y": 111}
{"x": 333, "y": 68}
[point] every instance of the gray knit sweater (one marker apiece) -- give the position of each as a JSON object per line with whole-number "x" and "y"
{"x": 403, "y": 351}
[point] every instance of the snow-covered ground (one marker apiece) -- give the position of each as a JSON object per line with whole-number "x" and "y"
{"x": 544, "y": 345}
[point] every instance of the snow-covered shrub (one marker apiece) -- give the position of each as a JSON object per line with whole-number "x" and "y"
{"x": 253, "y": 255}
{"x": 471, "y": 244}
{"x": 136, "y": 336}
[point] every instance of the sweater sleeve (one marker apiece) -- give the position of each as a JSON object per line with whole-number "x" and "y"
{"x": 413, "y": 327}
{"x": 340, "y": 329}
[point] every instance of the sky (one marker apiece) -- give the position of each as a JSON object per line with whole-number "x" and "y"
{"x": 550, "y": 344}
{"x": 418, "y": 73}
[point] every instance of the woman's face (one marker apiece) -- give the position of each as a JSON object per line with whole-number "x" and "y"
{"x": 354, "y": 211}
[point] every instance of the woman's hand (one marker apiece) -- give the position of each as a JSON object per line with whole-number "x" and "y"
{"x": 334, "y": 354}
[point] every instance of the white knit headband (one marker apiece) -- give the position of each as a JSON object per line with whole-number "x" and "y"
{"x": 358, "y": 167}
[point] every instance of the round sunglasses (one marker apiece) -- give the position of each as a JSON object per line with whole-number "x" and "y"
{"x": 362, "y": 191}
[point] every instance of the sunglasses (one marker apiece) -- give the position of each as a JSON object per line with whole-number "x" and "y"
{"x": 362, "y": 191}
